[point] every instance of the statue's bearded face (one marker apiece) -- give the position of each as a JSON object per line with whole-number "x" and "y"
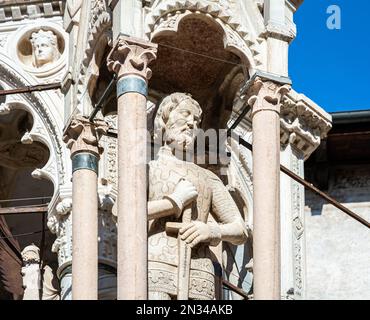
{"x": 44, "y": 51}
{"x": 182, "y": 125}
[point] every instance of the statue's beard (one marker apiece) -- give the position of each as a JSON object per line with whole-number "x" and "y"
{"x": 178, "y": 138}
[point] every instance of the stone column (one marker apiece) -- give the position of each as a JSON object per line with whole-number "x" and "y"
{"x": 129, "y": 59}
{"x": 266, "y": 152}
{"x": 82, "y": 137}
{"x": 265, "y": 103}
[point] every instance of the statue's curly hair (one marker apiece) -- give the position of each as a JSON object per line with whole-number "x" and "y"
{"x": 48, "y": 34}
{"x": 167, "y": 105}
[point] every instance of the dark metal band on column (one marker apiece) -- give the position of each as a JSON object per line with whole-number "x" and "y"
{"x": 132, "y": 84}
{"x": 86, "y": 161}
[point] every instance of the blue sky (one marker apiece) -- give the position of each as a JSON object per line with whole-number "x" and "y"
{"x": 332, "y": 67}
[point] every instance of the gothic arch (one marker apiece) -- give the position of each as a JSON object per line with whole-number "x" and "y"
{"x": 98, "y": 38}
{"x": 167, "y": 16}
{"x": 46, "y": 122}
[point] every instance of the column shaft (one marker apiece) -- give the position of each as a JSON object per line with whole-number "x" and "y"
{"x": 82, "y": 137}
{"x": 266, "y": 196}
{"x": 129, "y": 59}
{"x": 266, "y": 159}
{"x": 85, "y": 235}
{"x": 132, "y": 199}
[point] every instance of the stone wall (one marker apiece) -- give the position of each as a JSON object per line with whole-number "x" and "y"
{"x": 338, "y": 247}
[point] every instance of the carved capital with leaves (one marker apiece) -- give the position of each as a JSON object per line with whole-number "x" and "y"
{"x": 266, "y": 95}
{"x": 83, "y": 136}
{"x": 131, "y": 56}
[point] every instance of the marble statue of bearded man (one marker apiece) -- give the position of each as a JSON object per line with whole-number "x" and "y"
{"x": 175, "y": 185}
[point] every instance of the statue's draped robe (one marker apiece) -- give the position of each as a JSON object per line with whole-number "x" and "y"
{"x": 213, "y": 197}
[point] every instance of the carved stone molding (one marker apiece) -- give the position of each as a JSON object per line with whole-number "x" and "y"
{"x": 107, "y": 224}
{"x": 282, "y": 32}
{"x": 60, "y": 223}
{"x": 303, "y": 123}
{"x": 100, "y": 22}
{"x": 23, "y": 9}
{"x": 131, "y": 56}
{"x": 83, "y": 135}
{"x": 98, "y": 36}
{"x": 71, "y": 15}
{"x": 297, "y": 197}
{"x": 3, "y": 40}
{"x": 110, "y": 157}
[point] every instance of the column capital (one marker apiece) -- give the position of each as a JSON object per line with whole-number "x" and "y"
{"x": 131, "y": 56}
{"x": 266, "y": 95}
{"x": 81, "y": 135}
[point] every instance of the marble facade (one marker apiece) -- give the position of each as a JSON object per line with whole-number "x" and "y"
{"x": 208, "y": 49}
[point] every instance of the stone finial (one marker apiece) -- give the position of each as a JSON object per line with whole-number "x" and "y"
{"x": 83, "y": 136}
{"x": 131, "y": 56}
{"x": 266, "y": 95}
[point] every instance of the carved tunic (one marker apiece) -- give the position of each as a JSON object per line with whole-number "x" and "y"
{"x": 213, "y": 197}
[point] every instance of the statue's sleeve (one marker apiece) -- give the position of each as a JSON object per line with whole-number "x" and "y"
{"x": 227, "y": 214}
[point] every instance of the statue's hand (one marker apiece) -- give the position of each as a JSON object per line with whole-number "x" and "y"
{"x": 197, "y": 231}
{"x": 184, "y": 194}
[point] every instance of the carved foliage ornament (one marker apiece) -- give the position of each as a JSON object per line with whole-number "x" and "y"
{"x": 132, "y": 57}
{"x": 83, "y": 135}
{"x": 266, "y": 95}
{"x": 303, "y": 124}
{"x": 59, "y": 223}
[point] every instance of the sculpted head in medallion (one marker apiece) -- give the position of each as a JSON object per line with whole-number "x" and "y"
{"x": 44, "y": 48}
{"x": 177, "y": 120}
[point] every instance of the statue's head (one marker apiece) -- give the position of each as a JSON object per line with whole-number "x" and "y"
{"x": 31, "y": 253}
{"x": 177, "y": 120}
{"x": 44, "y": 48}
